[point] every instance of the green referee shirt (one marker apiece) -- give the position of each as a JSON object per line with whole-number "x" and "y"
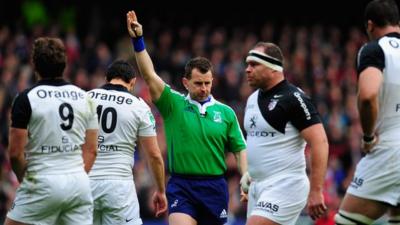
{"x": 198, "y": 135}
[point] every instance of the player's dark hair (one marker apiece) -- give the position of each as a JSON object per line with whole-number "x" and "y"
{"x": 272, "y": 50}
{"x": 202, "y": 64}
{"x": 48, "y": 57}
{"x": 120, "y": 69}
{"x": 382, "y": 13}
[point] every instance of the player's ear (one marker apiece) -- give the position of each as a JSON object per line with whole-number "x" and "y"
{"x": 369, "y": 26}
{"x": 132, "y": 83}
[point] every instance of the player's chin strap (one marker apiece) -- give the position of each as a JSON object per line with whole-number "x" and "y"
{"x": 346, "y": 218}
{"x": 394, "y": 220}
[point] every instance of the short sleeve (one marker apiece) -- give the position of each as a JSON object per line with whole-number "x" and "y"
{"x": 21, "y": 111}
{"x": 370, "y": 54}
{"x": 235, "y": 135}
{"x": 303, "y": 113}
{"x": 147, "y": 126}
{"x": 165, "y": 103}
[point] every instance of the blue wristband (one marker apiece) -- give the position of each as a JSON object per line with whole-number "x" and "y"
{"x": 138, "y": 44}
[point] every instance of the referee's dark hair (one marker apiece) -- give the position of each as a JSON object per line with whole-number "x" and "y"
{"x": 120, "y": 69}
{"x": 202, "y": 64}
{"x": 48, "y": 57}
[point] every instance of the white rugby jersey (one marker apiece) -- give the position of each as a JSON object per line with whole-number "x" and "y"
{"x": 56, "y": 115}
{"x": 122, "y": 119}
{"x": 273, "y": 121}
{"x": 384, "y": 54}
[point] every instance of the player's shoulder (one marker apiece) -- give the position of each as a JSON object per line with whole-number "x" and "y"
{"x": 370, "y": 48}
{"x": 294, "y": 91}
{"x": 22, "y": 97}
{"x": 142, "y": 103}
{"x": 25, "y": 92}
{"x": 296, "y": 94}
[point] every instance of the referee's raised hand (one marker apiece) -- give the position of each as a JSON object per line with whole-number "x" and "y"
{"x": 134, "y": 27}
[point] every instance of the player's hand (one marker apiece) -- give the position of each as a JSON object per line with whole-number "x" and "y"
{"x": 366, "y": 147}
{"x": 245, "y": 182}
{"x": 316, "y": 205}
{"x": 159, "y": 203}
{"x": 135, "y": 29}
{"x": 243, "y": 196}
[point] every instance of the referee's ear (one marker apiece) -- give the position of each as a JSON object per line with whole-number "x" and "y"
{"x": 185, "y": 83}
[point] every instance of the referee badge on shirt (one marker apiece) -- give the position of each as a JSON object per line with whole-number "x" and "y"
{"x": 272, "y": 104}
{"x": 217, "y": 117}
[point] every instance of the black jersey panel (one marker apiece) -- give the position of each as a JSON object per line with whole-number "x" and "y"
{"x": 21, "y": 111}
{"x": 371, "y": 54}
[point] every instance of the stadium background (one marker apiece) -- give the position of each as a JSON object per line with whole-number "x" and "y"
{"x": 319, "y": 39}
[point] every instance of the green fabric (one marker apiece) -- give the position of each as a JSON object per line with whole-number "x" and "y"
{"x": 196, "y": 143}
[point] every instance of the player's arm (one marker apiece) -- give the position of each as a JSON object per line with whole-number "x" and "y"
{"x": 146, "y": 67}
{"x": 245, "y": 180}
{"x": 316, "y": 139}
{"x": 149, "y": 145}
{"x": 89, "y": 149}
{"x": 369, "y": 83}
{"x": 18, "y": 138}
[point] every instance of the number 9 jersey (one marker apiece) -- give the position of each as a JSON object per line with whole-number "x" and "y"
{"x": 56, "y": 115}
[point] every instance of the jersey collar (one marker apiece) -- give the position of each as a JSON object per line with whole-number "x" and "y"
{"x": 202, "y": 107}
{"x": 53, "y": 82}
{"x": 274, "y": 89}
{"x": 115, "y": 87}
{"x": 393, "y": 34}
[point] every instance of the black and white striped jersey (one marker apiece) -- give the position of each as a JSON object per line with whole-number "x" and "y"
{"x": 122, "y": 119}
{"x": 384, "y": 54}
{"x": 56, "y": 115}
{"x": 273, "y": 121}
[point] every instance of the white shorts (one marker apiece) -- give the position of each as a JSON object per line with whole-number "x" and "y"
{"x": 53, "y": 199}
{"x": 377, "y": 176}
{"x": 115, "y": 202}
{"x": 280, "y": 199}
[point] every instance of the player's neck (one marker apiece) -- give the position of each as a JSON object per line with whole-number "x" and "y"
{"x": 49, "y": 78}
{"x": 273, "y": 83}
{"x": 380, "y": 32}
{"x": 120, "y": 82}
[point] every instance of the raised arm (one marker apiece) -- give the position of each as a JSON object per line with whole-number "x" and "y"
{"x": 316, "y": 139}
{"x": 155, "y": 83}
{"x": 154, "y": 160}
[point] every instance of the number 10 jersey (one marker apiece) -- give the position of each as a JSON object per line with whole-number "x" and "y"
{"x": 123, "y": 118}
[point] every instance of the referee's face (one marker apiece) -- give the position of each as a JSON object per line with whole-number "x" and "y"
{"x": 199, "y": 85}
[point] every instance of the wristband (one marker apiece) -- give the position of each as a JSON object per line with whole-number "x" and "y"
{"x": 138, "y": 44}
{"x": 368, "y": 139}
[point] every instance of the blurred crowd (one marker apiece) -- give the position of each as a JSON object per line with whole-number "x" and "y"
{"x": 318, "y": 58}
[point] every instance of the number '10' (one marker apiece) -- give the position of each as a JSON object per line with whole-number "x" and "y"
{"x": 102, "y": 116}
